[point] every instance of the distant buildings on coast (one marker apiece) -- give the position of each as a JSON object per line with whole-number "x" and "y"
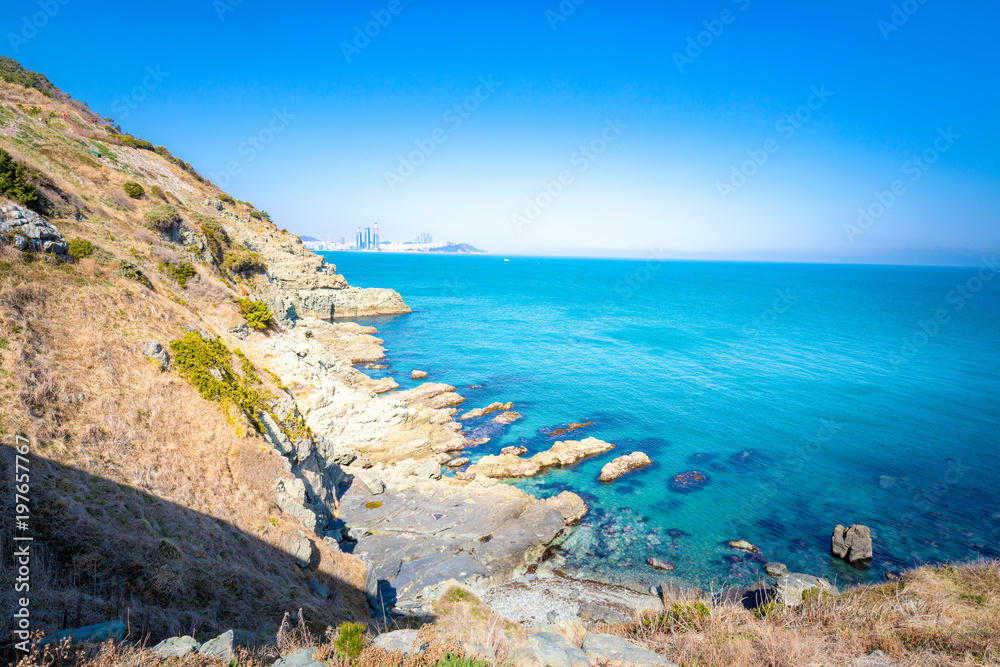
{"x": 367, "y": 240}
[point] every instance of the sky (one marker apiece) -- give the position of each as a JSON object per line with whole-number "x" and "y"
{"x": 732, "y": 129}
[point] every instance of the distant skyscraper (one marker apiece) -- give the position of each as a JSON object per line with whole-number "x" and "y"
{"x": 424, "y": 238}
{"x": 368, "y": 238}
{"x": 376, "y": 236}
{"x": 340, "y": 240}
{"x": 359, "y": 245}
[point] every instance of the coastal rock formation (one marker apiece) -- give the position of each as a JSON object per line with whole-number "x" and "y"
{"x": 853, "y": 544}
{"x": 743, "y": 545}
{"x": 514, "y": 450}
{"x": 792, "y": 588}
{"x": 561, "y": 453}
{"x": 686, "y": 482}
{"x": 491, "y": 408}
{"x": 659, "y": 564}
{"x": 548, "y": 649}
{"x": 418, "y": 375}
{"x": 775, "y": 569}
{"x": 623, "y": 464}
{"x": 30, "y": 231}
{"x": 431, "y": 395}
{"x": 566, "y": 429}
{"x": 570, "y": 505}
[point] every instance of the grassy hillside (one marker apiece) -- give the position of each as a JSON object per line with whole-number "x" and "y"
{"x": 151, "y": 503}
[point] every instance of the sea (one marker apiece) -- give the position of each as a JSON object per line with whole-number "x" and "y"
{"x": 803, "y": 395}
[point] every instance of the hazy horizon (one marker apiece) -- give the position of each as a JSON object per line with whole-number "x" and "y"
{"x": 861, "y": 133}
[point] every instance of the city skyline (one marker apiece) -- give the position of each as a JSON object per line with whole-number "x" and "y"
{"x": 852, "y": 133}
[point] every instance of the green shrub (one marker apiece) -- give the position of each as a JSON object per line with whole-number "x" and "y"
{"x": 80, "y": 248}
{"x": 11, "y": 71}
{"x": 256, "y": 313}
{"x": 179, "y": 272}
{"x": 158, "y": 192}
{"x": 133, "y": 190}
{"x": 350, "y": 641}
{"x": 452, "y": 660}
{"x": 207, "y": 366}
{"x": 230, "y": 257}
{"x": 14, "y": 182}
{"x": 244, "y": 262}
{"x": 227, "y": 199}
{"x": 129, "y": 270}
{"x": 164, "y": 218}
{"x": 141, "y": 144}
{"x": 680, "y": 616}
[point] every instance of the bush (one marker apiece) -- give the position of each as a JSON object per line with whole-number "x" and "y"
{"x": 256, "y": 313}
{"x": 129, "y": 270}
{"x": 350, "y": 641}
{"x": 80, "y": 248}
{"x": 452, "y": 660}
{"x": 179, "y": 272}
{"x": 141, "y": 144}
{"x": 133, "y": 190}
{"x": 164, "y": 218}
{"x": 14, "y": 182}
{"x": 229, "y": 257}
{"x": 196, "y": 358}
{"x": 158, "y": 192}
{"x": 243, "y": 262}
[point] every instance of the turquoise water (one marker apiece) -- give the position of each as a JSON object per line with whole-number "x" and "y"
{"x": 809, "y": 395}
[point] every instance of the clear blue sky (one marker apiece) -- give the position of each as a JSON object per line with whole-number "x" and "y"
{"x": 679, "y": 124}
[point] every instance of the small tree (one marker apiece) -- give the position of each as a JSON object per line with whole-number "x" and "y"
{"x": 133, "y": 190}
{"x": 80, "y": 248}
{"x": 256, "y": 313}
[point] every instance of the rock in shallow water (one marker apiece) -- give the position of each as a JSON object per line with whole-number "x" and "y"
{"x": 418, "y": 375}
{"x": 624, "y": 464}
{"x": 775, "y": 569}
{"x": 743, "y": 545}
{"x": 853, "y": 544}
{"x": 659, "y": 564}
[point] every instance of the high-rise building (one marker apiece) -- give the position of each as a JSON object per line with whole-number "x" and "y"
{"x": 368, "y": 238}
{"x": 359, "y": 245}
{"x": 376, "y": 236}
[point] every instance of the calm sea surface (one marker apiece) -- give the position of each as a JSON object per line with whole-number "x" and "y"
{"x": 807, "y": 395}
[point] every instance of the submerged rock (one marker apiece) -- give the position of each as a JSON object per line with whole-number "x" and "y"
{"x": 508, "y": 417}
{"x": 743, "y": 545}
{"x": 566, "y": 429}
{"x": 489, "y": 409}
{"x": 623, "y": 464}
{"x": 658, "y": 564}
{"x": 853, "y": 544}
{"x": 686, "y": 482}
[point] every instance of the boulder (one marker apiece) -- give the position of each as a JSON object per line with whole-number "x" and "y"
{"x": 853, "y": 544}
{"x": 221, "y": 647}
{"x": 595, "y": 612}
{"x": 572, "y": 630}
{"x": 568, "y": 452}
{"x": 547, "y": 649}
{"x": 458, "y": 462}
{"x": 489, "y": 409}
{"x": 300, "y": 548}
{"x": 609, "y": 647}
{"x": 514, "y": 450}
{"x": 428, "y": 469}
{"x": 658, "y": 564}
{"x": 418, "y": 375}
{"x": 97, "y": 633}
{"x": 403, "y": 641}
{"x": 176, "y": 647}
{"x": 371, "y": 481}
{"x": 301, "y": 658}
{"x": 775, "y": 569}
{"x": 743, "y": 545}
{"x": 791, "y": 587}
{"x": 241, "y": 331}
{"x": 155, "y": 352}
{"x": 570, "y": 505}
{"x": 623, "y": 464}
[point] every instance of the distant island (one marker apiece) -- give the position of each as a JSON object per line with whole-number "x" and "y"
{"x": 316, "y": 244}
